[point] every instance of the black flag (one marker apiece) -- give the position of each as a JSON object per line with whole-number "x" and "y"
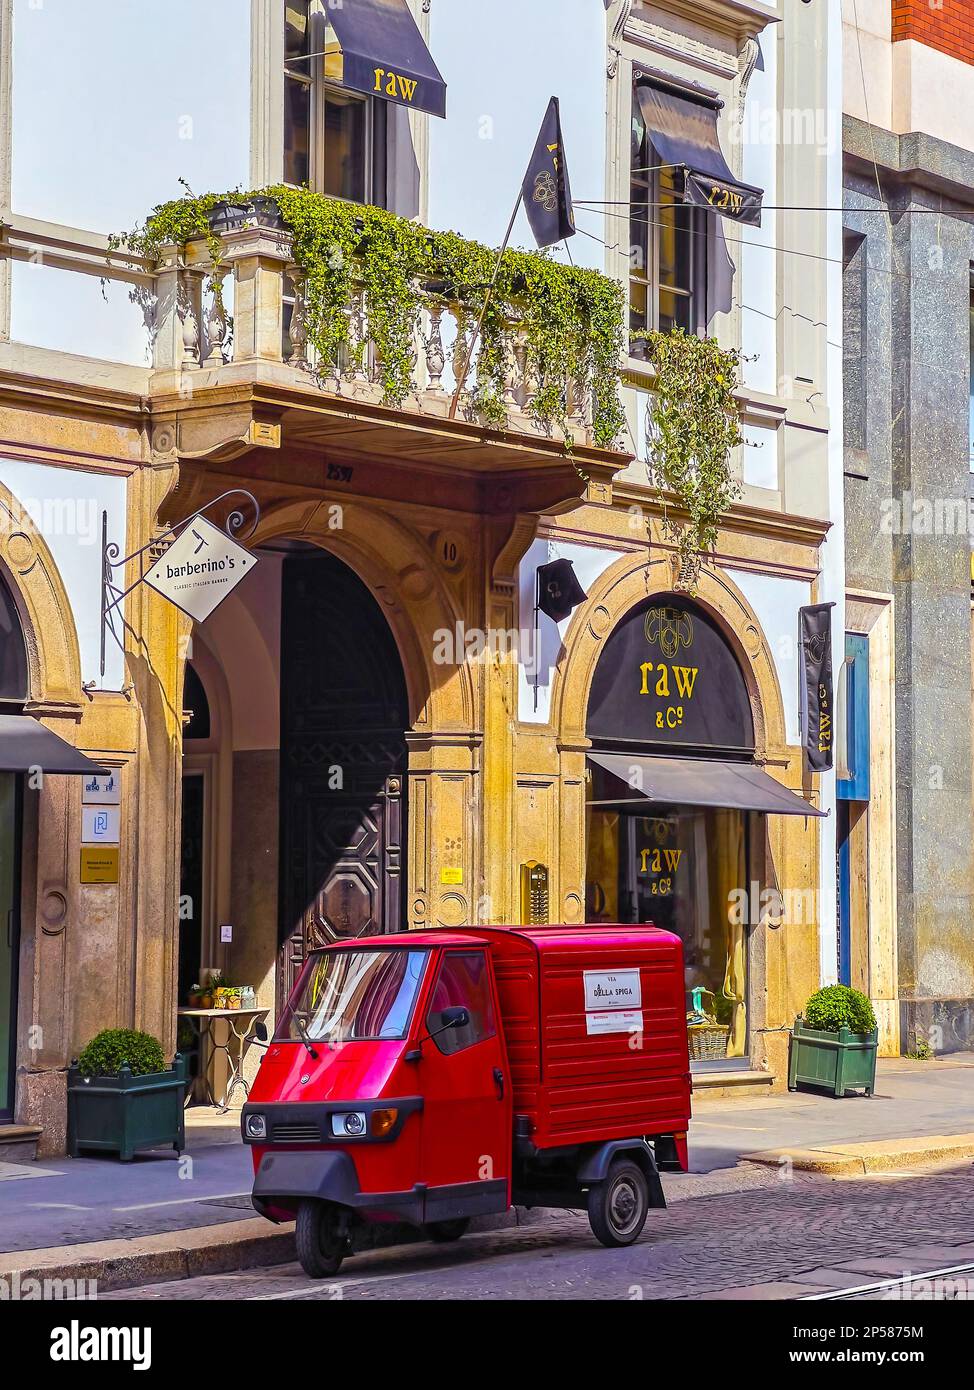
{"x": 546, "y": 190}
{"x": 818, "y": 714}
{"x": 558, "y": 589}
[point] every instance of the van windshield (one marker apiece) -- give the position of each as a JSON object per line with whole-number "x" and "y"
{"x": 350, "y": 995}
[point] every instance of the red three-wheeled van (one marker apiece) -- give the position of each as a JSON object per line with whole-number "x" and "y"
{"x": 432, "y": 1076}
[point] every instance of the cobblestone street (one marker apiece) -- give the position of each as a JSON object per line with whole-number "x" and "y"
{"x": 767, "y": 1237}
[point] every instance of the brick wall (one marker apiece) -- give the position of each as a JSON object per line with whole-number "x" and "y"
{"x": 947, "y": 25}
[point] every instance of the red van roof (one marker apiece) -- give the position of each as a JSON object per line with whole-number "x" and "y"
{"x": 565, "y": 934}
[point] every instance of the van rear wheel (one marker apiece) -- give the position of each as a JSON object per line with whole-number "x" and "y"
{"x": 617, "y": 1207}
{"x": 321, "y": 1247}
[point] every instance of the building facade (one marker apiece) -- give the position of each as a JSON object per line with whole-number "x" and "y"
{"x": 906, "y": 811}
{"x": 377, "y": 728}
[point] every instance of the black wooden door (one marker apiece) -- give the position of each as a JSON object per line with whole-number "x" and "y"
{"x": 343, "y": 762}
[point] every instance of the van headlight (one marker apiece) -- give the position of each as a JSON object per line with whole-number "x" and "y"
{"x": 256, "y": 1127}
{"x": 348, "y": 1124}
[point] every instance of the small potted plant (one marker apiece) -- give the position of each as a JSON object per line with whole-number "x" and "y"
{"x": 233, "y": 998}
{"x": 834, "y": 1043}
{"x": 194, "y": 996}
{"x": 123, "y": 1097}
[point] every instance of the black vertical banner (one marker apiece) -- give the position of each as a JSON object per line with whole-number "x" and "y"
{"x": 818, "y": 711}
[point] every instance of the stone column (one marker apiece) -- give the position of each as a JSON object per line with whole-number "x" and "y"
{"x": 258, "y": 257}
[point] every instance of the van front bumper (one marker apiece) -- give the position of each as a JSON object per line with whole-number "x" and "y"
{"x": 286, "y": 1178}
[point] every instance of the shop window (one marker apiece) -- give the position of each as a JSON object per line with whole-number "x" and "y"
{"x": 685, "y": 870}
{"x": 667, "y": 242}
{"x": 334, "y": 138}
{"x": 463, "y": 981}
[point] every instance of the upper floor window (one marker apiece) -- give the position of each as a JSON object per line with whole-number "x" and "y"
{"x": 668, "y": 242}
{"x": 334, "y": 138}
{"x": 347, "y": 67}
{"x": 680, "y": 183}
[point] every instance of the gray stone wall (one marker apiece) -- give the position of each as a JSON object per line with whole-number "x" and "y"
{"x": 909, "y": 253}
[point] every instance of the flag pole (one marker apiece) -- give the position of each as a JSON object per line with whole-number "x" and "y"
{"x": 483, "y": 312}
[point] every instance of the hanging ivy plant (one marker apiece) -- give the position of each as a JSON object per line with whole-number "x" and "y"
{"x": 570, "y": 318}
{"x": 696, "y": 424}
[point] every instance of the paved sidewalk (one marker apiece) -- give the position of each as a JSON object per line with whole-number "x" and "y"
{"x": 913, "y": 1099}
{"x": 53, "y": 1205}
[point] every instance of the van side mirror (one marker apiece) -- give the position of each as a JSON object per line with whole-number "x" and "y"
{"x": 456, "y": 1016}
{"x": 260, "y": 1031}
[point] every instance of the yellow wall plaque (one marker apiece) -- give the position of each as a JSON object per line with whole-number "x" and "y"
{"x": 99, "y": 863}
{"x": 451, "y": 875}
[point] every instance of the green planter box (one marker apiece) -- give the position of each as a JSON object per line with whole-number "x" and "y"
{"x": 123, "y": 1113}
{"x": 838, "y": 1062}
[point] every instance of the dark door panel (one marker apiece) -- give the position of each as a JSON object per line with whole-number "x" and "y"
{"x": 343, "y": 761}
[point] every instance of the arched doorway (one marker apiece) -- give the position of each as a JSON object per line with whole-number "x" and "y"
{"x": 344, "y": 714}
{"x": 676, "y": 805}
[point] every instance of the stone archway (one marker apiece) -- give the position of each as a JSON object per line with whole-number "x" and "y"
{"x": 53, "y": 655}
{"x": 623, "y": 585}
{"x": 396, "y": 565}
{"x": 619, "y": 590}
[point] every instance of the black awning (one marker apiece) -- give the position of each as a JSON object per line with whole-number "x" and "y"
{"x": 684, "y": 134}
{"x": 26, "y": 744}
{"x": 700, "y": 782}
{"x": 386, "y": 56}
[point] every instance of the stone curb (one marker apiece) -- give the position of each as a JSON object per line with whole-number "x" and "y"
{"x": 120, "y": 1264}
{"x": 876, "y": 1157}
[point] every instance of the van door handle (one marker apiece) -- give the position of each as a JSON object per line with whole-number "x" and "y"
{"x": 499, "y": 1082}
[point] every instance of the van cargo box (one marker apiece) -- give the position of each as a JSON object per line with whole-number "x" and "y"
{"x": 595, "y": 1023}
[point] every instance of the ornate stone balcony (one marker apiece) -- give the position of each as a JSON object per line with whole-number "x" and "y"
{"x": 233, "y": 370}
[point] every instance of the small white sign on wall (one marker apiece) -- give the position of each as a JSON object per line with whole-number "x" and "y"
{"x": 100, "y": 825}
{"x": 102, "y": 789}
{"x": 613, "y": 989}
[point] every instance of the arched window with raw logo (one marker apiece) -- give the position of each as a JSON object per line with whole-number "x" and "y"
{"x": 675, "y": 801}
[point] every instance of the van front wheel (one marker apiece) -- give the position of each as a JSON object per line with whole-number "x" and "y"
{"x": 321, "y": 1247}
{"x": 618, "y": 1206}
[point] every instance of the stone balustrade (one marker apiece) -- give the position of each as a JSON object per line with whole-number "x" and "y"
{"x": 264, "y": 332}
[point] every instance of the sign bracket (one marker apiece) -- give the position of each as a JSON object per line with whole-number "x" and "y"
{"x": 113, "y": 595}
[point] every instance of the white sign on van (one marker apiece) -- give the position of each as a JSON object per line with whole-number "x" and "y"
{"x": 618, "y": 1021}
{"x": 616, "y": 989}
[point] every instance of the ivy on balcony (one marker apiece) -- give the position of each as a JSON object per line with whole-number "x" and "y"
{"x": 568, "y": 319}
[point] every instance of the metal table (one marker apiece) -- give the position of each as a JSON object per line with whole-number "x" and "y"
{"x": 241, "y": 1026}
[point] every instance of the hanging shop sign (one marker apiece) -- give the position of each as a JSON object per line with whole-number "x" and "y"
{"x": 818, "y": 714}
{"x": 668, "y": 676}
{"x": 200, "y": 569}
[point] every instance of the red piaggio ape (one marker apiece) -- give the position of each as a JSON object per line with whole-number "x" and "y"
{"x": 432, "y": 1076}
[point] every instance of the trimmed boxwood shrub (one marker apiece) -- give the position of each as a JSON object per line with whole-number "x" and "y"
{"x": 839, "y": 1006}
{"x": 110, "y": 1050}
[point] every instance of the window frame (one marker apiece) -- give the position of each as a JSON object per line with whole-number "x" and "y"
{"x": 321, "y": 86}
{"x": 450, "y": 1034}
{"x": 698, "y": 231}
